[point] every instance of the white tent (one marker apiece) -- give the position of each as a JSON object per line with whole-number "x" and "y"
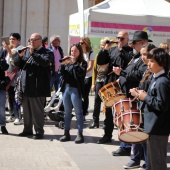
{"x": 111, "y": 16}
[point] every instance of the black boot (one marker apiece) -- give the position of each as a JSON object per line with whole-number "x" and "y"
{"x": 4, "y": 130}
{"x": 104, "y": 139}
{"x": 79, "y": 138}
{"x": 94, "y": 124}
{"x": 66, "y": 136}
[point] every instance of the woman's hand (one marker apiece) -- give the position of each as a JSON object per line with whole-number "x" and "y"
{"x": 5, "y": 46}
{"x": 93, "y": 87}
{"x": 66, "y": 60}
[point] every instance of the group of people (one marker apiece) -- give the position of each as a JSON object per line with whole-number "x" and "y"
{"x": 142, "y": 71}
{"x": 140, "y": 68}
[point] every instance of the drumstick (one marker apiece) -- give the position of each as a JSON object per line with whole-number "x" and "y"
{"x": 110, "y": 72}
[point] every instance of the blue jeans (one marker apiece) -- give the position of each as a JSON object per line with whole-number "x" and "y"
{"x": 71, "y": 97}
{"x": 55, "y": 80}
{"x": 2, "y": 107}
{"x": 125, "y": 146}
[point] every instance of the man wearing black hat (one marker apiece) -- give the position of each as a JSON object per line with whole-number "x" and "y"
{"x": 130, "y": 78}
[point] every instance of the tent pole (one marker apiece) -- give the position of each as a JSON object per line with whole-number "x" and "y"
{"x": 81, "y": 13}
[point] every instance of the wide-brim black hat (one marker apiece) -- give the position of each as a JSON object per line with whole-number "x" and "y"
{"x": 140, "y": 35}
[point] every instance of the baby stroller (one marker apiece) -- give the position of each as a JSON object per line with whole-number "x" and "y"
{"x": 55, "y": 109}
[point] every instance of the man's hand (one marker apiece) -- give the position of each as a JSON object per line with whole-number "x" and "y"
{"x": 134, "y": 92}
{"x": 31, "y": 49}
{"x": 119, "y": 46}
{"x": 142, "y": 94}
{"x": 117, "y": 70}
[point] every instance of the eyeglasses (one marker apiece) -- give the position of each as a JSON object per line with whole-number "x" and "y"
{"x": 120, "y": 38}
{"x": 35, "y": 39}
{"x": 81, "y": 43}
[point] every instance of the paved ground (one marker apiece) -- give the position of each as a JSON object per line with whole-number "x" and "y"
{"x": 18, "y": 153}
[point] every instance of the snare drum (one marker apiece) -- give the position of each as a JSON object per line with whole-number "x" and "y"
{"x": 128, "y": 119}
{"x": 111, "y": 93}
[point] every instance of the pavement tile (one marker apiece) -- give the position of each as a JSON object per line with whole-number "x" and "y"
{"x": 24, "y": 153}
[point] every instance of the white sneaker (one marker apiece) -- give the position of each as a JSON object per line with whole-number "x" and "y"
{"x": 47, "y": 108}
{"x": 56, "y": 108}
{"x": 17, "y": 122}
{"x": 10, "y": 119}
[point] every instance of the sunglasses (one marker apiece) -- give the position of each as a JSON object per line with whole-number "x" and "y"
{"x": 136, "y": 42}
{"x": 120, "y": 38}
{"x": 81, "y": 43}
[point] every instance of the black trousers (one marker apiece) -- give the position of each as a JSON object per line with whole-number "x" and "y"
{"x": 33, "y": 109}
{"x": 157, "y": 152}
{"x": 87, "y": 87}
{"x": 108, "y": 122}
{"x": 97, "y": 102}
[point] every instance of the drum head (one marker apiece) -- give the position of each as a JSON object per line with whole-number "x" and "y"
{"x": 133, "y": 137}
{"x": 109, "y": 102}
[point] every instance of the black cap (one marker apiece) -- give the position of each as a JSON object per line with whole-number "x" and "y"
{"x": 140, "y": 35}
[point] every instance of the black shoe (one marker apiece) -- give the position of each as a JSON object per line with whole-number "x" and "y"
{"x": 104, "y": 140}
{"x": 93, "y": 125}
{"x": 38, "y": 136}
{"x": 131, "y": 165}
{"x": 4, "y": 130}
{"x": 23, "y": 134}
{"x": 66, "y": 136}
{"x": 121, "y": 152}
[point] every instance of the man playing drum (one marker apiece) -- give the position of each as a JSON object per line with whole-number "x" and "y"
{"x": 130, "y": 78}
{"x": 120, "y": 56}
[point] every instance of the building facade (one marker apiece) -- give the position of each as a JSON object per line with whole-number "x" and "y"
{"x": 46, "y": 17}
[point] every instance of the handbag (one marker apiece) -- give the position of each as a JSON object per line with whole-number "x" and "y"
{"x": 11, "y": 76}
{"x": 19, "y": 88}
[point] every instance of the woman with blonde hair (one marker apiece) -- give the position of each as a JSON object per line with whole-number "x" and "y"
{"x": 165, "y": 46}
{"x": 100, "y": 69}
{"x": 89, "y": 58}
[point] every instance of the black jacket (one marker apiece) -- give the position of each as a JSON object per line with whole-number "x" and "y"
{"x": 75, "y": 73}
{"x": 3, "y": 67}
{"x": 132, "y": 75}
{"x": 118, "y": 59}
{"x": 157, "y": 107}
{"x": 37, "y": 72}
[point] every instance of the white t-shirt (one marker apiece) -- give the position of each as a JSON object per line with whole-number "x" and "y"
{"x": 86, "y": 57}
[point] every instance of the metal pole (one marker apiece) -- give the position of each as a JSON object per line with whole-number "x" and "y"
{"x": 81, "y": 14}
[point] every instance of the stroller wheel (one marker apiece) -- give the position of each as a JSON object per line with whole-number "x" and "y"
{"x": 61, "y": 124}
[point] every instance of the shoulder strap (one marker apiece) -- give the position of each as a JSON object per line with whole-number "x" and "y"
{"x": 90, "y": 54}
